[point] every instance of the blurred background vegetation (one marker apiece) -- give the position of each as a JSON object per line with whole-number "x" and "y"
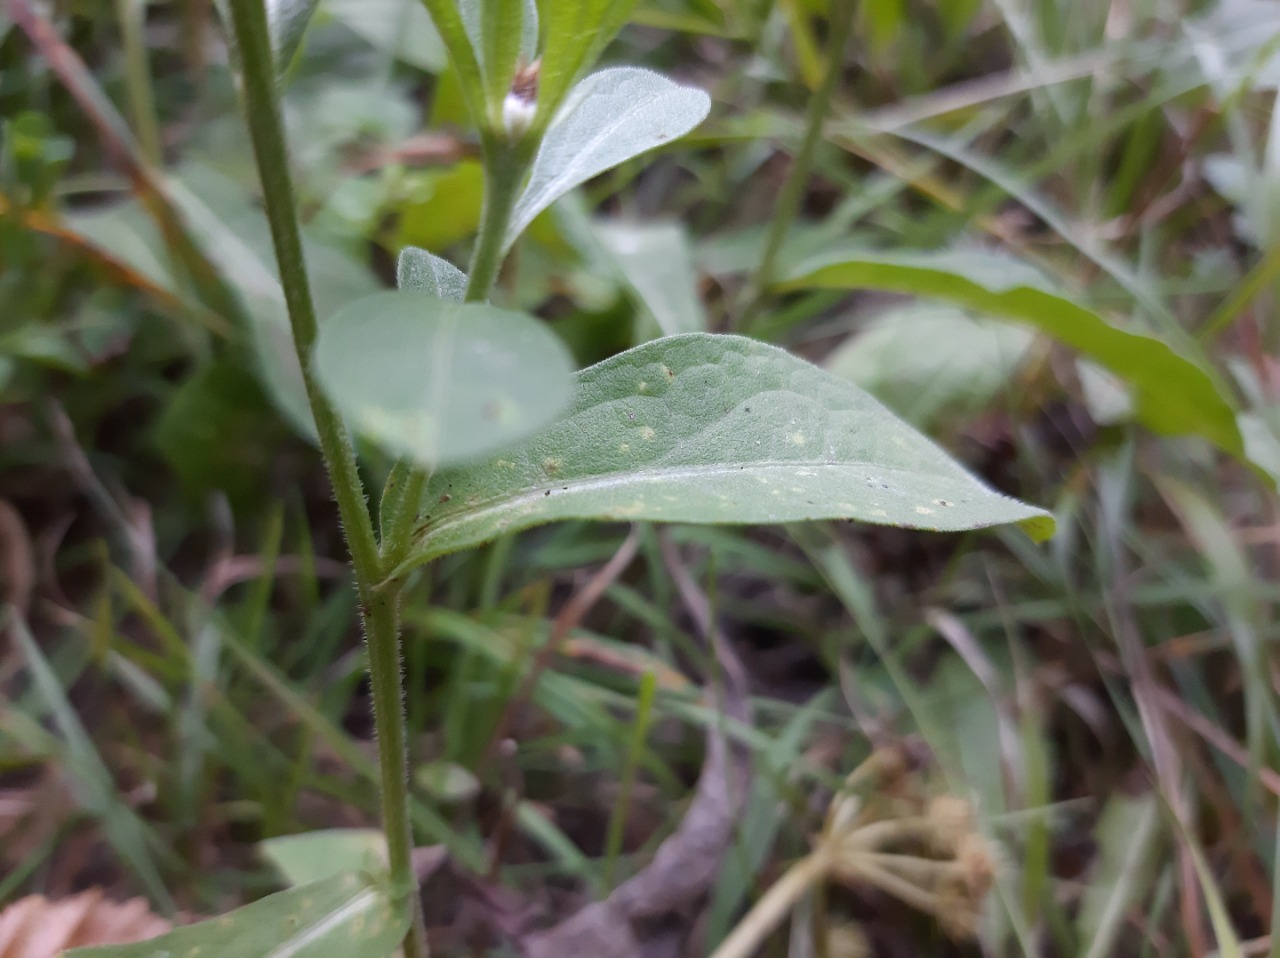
{"x": 182, "y": 675}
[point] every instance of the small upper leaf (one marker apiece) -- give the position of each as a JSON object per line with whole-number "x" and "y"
{"x": 348, "y": 914}
{"x": 606, "y": 119}
{"x": 501, "y": 32}
{"x": 575, "y": 33}
{"x": 427, "y": 273}
{"x": 439, "y": 381}
{"x": 705, "y": 428}
{"x": 287, "y": 21}
{"x": 1175, "y": 397}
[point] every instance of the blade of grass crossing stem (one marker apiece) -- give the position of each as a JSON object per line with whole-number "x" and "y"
{"x": 537, "y": 826}
{"x": 639, "y": 733}
{"x": 1229, "y": 945}
{"x": 1275, "y": 899}
{"x": 1122, "y": 874}
{"x": 131, "y": 15}
{"x": 761, "y": 820}
{"x": 424, "y": 817}
{"x": 193, "y": 721}
{"x": 1146, "y": 297}
{"x": 259, "y": 600}
{"x": 1233, "y": 576}
{"x": 94, "y": 785}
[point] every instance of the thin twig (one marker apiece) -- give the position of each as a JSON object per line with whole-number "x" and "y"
{"x": 574, "y": 611}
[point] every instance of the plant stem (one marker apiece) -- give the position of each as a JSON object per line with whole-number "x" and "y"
{"x": 379, "y": 606}
{"x": 505, "y": 164}
{"x": 382, "y": 631}
{"x": 792, "y": 192}
{"x": 142, "y": 105}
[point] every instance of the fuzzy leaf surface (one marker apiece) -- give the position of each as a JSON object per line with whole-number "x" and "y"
{"x": 606, "y": 119}
{"x": 416, "y": 269}
{"x": 441, "y": 382}
{"x": 345, "y": 915}
{"x": 713, "y": 429}
{"x": 287, "y": 21}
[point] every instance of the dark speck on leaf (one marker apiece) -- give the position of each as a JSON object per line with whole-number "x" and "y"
{"x": 547, "y": 493}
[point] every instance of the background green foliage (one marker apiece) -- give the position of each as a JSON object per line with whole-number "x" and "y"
{"x": 1068, "y": 212}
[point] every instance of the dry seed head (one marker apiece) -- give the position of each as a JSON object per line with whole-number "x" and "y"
{"x": 977, "y": 865}
{"x": 525, "y": 82}
{"x": 846, "y": 940}
{"x": 951, "y": 819}
{"x": 962, "y": 894}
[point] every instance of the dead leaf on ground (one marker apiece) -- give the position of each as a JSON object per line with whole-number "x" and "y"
{"x": 36, "y": 927}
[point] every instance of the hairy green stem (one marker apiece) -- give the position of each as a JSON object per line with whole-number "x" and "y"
{"x": 379, "y": 606}
{"x": 397, "y": 534}
{"x": 792, "y": 192}
{"x": 505, "y": 165}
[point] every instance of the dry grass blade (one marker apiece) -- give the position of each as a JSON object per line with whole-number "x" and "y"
{"x": 573, "y": 612}
{"x": 17, "y": 560}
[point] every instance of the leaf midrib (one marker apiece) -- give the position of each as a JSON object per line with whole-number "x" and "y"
{"x": 626, "y": 477}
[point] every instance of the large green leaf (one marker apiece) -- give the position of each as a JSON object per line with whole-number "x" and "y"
{"x": 349, "y": 914}
{"x": 706, "y": 428}
{"x": 1174, "y": 397}
{"x": 441, "y": 381}
{"x": 606, "y": 119}
{"x": 575, "y": 33}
